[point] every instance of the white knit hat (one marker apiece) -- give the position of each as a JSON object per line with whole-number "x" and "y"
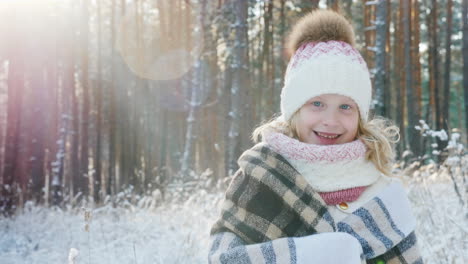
{"x": 324, "y": 62}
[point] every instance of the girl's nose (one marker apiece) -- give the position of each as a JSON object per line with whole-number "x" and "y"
{"x": 329, "y": 118}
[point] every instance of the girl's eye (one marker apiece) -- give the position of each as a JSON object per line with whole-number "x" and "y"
{"x": 317, "y": 103}
{"x": 345, "y": 107}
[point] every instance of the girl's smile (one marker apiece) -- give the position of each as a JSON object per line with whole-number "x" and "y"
{"x": 327, "y": 138}
{"x": 328, "y": 119}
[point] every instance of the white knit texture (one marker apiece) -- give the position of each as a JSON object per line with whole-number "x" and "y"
{"x": 328, "y": 73}
{"x": 327, "y": 168}
{"x": 326, "y": 177}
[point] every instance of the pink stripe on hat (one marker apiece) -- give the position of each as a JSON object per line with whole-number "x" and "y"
{"x": 313, "y": 50}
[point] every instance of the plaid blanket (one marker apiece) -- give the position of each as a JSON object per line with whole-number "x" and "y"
{"x": 268, "y": 200}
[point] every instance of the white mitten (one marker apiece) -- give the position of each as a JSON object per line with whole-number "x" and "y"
{"x": 324, "y": 248}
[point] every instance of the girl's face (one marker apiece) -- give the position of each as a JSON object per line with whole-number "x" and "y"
{"x": 328, "y": 119}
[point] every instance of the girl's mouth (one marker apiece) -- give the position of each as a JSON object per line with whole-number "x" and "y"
{"x": 327, "y": 138}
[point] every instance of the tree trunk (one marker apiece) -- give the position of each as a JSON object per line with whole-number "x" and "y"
{"x": 388, "y": 92}
{"x": 281, "y": 59}
{"x": 434, "y": 70}
{"x": 400, "y": 84}
{"x": 39, "y": 92}
{"x": 58, "y": 163}
{"x": 111, "y": 184}
{"x": 416, "y": 65}
{"x": 465, "y": 61}
{"x": 445, "y": 115}
{"x": 66, "y": 159}
{"x": 248, "y": 95}
{"x": 82, "y": 178}
{"x": 97, "y": 180}
{"x": 314, "y": 4}
{"x": 380, "y": 57}
{"x": 307, "y": 6}
{"x": 266, "y": 96}
{"x": 74, "y": 148}
{"x": 333, "y": 4}
{"x": 411, "y": 105}
{"x": 10, "y": 176}
{"x": 192, "y": 117}
{"x": 223, "y": 88}
{"x": 370, "y": 33}
{"x": 348, "y": 9}
{"x": 270, "y": 73}
{"x": 239, "y": 72}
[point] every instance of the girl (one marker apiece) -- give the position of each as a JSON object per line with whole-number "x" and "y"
{"x": 316, "y": 188}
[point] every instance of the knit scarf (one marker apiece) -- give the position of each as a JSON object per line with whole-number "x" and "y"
{"x": 340, "y": 173}
{"x": 268, "y": 199}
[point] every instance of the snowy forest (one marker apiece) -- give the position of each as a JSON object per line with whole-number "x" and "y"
{"x": 121, "y": 121}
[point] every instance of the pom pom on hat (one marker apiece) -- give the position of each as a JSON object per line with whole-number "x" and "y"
{"x": 320, "y": 26}
{"x": 324, "y": 61}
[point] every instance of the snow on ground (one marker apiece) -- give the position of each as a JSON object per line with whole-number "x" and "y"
{"x": 178, "y": 232}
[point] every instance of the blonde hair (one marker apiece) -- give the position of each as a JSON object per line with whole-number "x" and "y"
{"x": 378, "y": 134}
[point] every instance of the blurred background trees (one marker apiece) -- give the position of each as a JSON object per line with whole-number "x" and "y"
{"x": 99, "y": 96}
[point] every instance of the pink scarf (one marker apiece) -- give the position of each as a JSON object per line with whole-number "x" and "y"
{"x": 322, "y": 155}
